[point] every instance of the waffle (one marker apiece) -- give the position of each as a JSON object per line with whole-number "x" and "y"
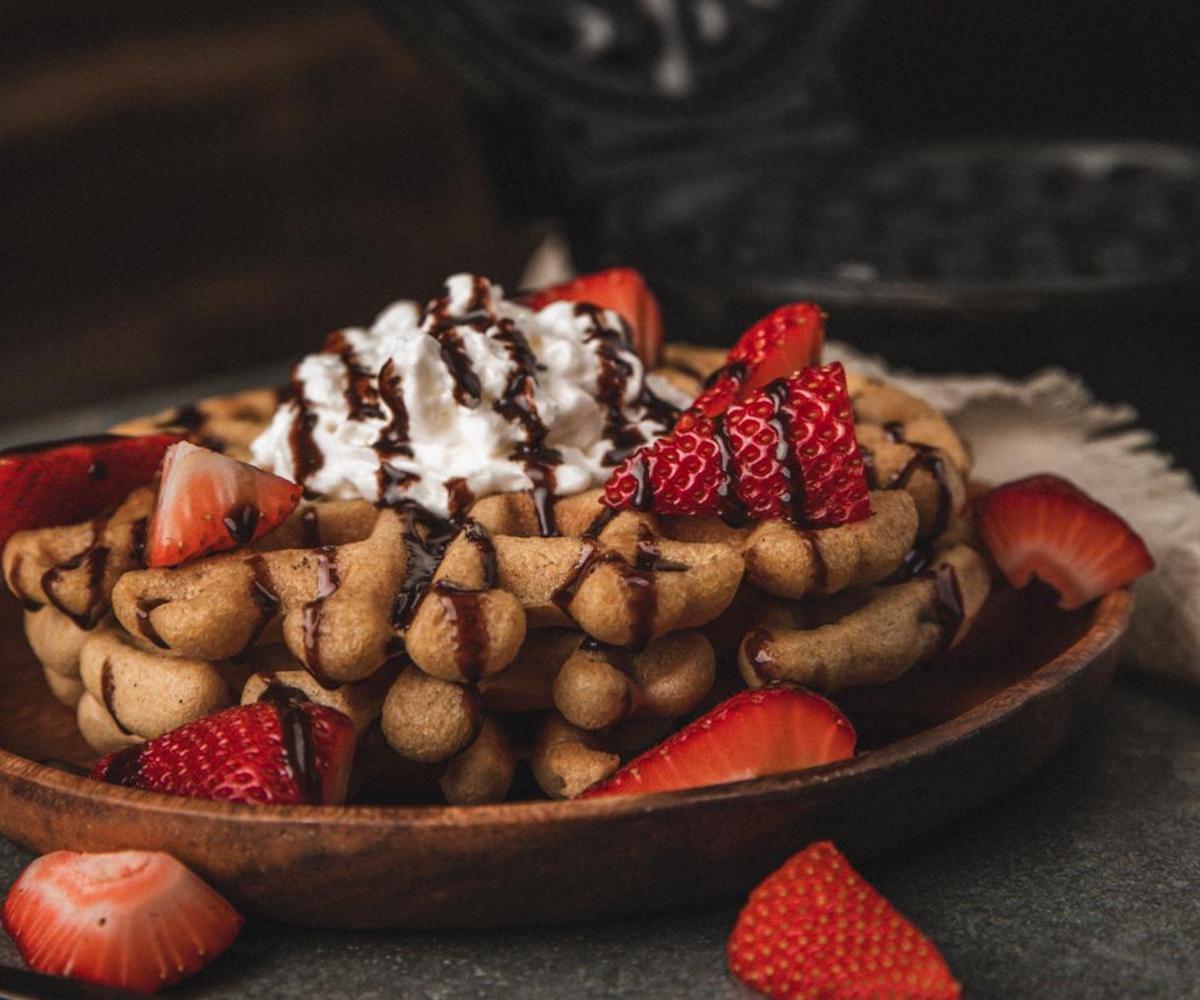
{"x": 445, "y": 643}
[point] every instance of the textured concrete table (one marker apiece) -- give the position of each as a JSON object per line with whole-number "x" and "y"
{"x": 1084, "y": 882}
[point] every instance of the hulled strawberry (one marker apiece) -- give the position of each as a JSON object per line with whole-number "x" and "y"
{"x": 815, "y": 929}
{"x": 796, "y": 453}
{"x": 133, "y": 920}
{"x": 269, "y": 752}
{"x": 208, "y": 502}
{"x": 786, "y": 451}
{"x": 621, "y": 289}
{"x": 769, "y": 730}
{"x": 777, "y": 346}
{"x": 69, "y": 481}
{"x": 1046, "y": 527}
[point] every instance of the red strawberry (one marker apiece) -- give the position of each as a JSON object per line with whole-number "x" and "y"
{"x": 621, "y": 289}
{"x": 768, "y": 730}
{"x": 682, "y": 473}
{"x": 134, "y": 920}
{"x": 67, "y": 482}
{"x": 286, "y": 753}
{"x": 208, "y": 502}
{"x": 777, "y": 346}
{"x": 737, "y": 463}
{"x": 815, "y": 475}
{"x": 1044, "y": 526}
{"x": 815, "y": 930}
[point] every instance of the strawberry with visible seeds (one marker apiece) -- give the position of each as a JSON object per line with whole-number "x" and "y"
{"x": 786, "y": 451}
{"x": 133, "y": 920}
{"x": 65, "y": 482}
{"x": 777, "y": 346}
{"x": 208, "y": 502}
{"x": 769, "y": 730}
{"x": 816, "y": 930}
{"x": 815, "y": 476}
{"x": 621, "y": 289}
{"x": 1046, "y": 527}
{"x": 270, "y": 752}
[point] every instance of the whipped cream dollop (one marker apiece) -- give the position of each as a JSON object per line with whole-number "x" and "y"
{"x": 473, "y": 394}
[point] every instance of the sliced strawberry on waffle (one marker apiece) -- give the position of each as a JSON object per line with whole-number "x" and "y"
{"x": 816, "y": 929}
{"x": 264, "y": 753}
{"x": 777, "y": 346}
{"x": 621, "y": 289}
{"x": 796, "y": 453}
{"x": 69, "y": 481}
{"x": 1046, "y": 527}
{"x": 786, "y": 451}
{"x": 133, "y": 920}
{"x": 208, "y": 502}
{"x": 769, "y": 730}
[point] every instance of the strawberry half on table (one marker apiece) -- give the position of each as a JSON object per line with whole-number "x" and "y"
{"x": 265, "y": 753}
{"x": 816, "y": 929}
{"x": 209, "y": 502}
{"x": 621, "y": 289}
{"x": 65, "y": 482}
{"x": 788, "y": 450}
{"x": 1046, "y": 527}
{"x": 133, "y": 920}
{"x": 770, "y": 730}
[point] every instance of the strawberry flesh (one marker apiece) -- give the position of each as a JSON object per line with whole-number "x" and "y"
{"x": 271, "y": 752}
{"x": 776, "y": 346}
{"x": 208, "y": 502}
{"x": 770, "y": 730}
{"x": 133, "y": 920}
{"x": 816, "y": 929}
{"x": 66, "y": 482}
{"x": 621, "y": 289}
{"x": 1046, "y": 527}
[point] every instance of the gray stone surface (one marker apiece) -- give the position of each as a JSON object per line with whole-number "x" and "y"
{"x": 1084, "y": 882}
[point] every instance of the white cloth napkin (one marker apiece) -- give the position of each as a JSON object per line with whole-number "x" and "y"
{"x": 1051, "y": 423}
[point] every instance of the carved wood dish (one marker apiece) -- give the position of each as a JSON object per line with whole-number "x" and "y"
{"x": 934, "y": 744}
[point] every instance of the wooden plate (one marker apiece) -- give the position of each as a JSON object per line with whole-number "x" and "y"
{"x": 940, "y": 741}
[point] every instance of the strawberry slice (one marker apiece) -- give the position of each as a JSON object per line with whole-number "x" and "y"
{"x": 796, "y": 452}
{"x": 777, "y": 346}
{"x": 286, "y": 752}
{"x": 1046, "y": 527}
{"x": 769, "y": 730}
{"x": 621, "y": 289}
{"x": 133, "y": 920}
{"x": 814, "y": 928}
{"x": 208, "y": 502}
{"x": 65, "y": 482}
{"x": 786, "y": 451}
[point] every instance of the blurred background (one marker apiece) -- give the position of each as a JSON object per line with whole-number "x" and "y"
{"x": 195, "y": 187}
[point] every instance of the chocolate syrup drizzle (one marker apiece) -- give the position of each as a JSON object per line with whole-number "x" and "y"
{"x": 262, "y": 593}
{"x": 393, "y": 439}
{"x": 142, "y": 615}
{"x": 310, "y": 528}
{"x": 307, "y": 457}
{"x": 123, "y": 766}
{"x": 328, "y": 582}
{"x": 95, "y": 559}
{"x": 299, "y": 746}
{"x": 785, "y": 453}
{"x": 362, "y": 398}
{"x": 107, "y": 690}
{"x": 241, "y": 523}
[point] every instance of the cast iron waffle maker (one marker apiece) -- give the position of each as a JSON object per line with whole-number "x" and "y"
{"x": 707, "y": 143}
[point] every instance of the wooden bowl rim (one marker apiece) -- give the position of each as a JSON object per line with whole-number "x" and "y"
{"x": 1111, "y": 616}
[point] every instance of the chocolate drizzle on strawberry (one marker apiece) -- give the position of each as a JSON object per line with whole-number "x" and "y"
{"x": 328, "y": 582}
{"x": 733, "y": 512}
{"x": 295, "y": 730}
{"x": 362, "y": 398}
{"x": 107, "y": 692}
{"x": 779, "y": 394}
{"x": 141, "y": 615}
{"x": 123, "y": 767}
{"x": 241, "y": 523}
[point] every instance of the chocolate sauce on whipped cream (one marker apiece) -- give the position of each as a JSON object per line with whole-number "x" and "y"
{"x": 362, "y": 398}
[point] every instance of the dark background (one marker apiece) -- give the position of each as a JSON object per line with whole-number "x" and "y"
{"x": 191, "y": 187}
